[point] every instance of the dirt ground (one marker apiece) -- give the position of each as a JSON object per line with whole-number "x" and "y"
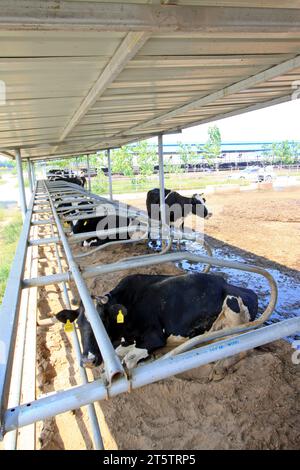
{"x": 264, "y": 222}
{"x": 252, "y": 405}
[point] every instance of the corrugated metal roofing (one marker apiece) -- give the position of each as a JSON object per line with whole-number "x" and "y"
{"x": 82, "y": 76}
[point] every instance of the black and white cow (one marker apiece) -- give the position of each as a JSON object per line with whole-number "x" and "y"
{"x": 178, "y": 206}
{"x": 69, "y": 209}
{"x": 97, "y": 223}
{"x": 101, "y": 223}
{"x": 143, "y": 311}
{"x": 79, "y": 180}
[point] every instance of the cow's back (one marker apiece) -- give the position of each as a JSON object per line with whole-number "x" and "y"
{"x": 185, "y": 305}
{"x": 153, "y": 197}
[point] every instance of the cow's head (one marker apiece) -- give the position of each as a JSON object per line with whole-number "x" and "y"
{"x": 91, "y": 355}
{"x": 113, "y": 316}
{"x": 199, "y": 202}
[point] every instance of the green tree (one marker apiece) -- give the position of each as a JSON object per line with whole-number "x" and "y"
{"x": 98, "y": 160}
{"x": 122, "y": 161}
{"x": 268, "y": 153}
{"x": 146, "y": 159}
{"x": 285, "y": 152}
{"x": 187, "y": 154}
{"x": 212, "y": 148}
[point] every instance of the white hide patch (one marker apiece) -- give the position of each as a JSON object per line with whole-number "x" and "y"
{"x": 228, "y": 318}
{"x": 91, "y": 356}
{"x": 173, "y": 340}
{"x": 141, "y": 233}
{"x": 89, "y": 244}
{"x": 169, "y": 194}
{"x": 134, "y": 356}
{"x": 200, "y": 199}
{"x": 88, "y": 360}
{"x": 121, "y": 351}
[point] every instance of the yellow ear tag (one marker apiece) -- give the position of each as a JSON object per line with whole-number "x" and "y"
{"x": 85, "y": 223}
{"x": 69, "y": 327}
{"x": 120, "y": 317}
{"x": 66, "y": 225}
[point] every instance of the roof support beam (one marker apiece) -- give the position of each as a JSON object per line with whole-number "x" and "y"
{"x": 94, "y": 16}
{"x": 237, "y": 112}
{"x": 250, "y": 82}
{"x": 129, "y": 47}
{"x": 7, "y": 154}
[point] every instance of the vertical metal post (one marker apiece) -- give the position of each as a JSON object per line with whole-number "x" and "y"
{"x": 32, "y": 168}
{"x": 109, "y": 175}
{"x": 29, "y": 175}
{"x": 21, "y": 183}
{"x": 88, "y": 172}
{"x": 161, "y": 183}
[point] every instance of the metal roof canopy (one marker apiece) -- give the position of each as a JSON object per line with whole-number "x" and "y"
{"x": 83, "y": 76}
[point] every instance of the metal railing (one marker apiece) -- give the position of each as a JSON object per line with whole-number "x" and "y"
{"x": 115, "y": 380}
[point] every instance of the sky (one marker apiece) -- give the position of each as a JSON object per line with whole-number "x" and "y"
{"x": 276, "y": 123}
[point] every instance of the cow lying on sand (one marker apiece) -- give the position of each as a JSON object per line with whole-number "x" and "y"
{"x": 143, "y": 311}
{"x": 102, "y": 223}
{"x": 97, "y": 223}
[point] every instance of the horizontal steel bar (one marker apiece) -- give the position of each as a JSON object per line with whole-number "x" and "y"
{"x": 77, "y": 206}
{"x": 155, "y": 18}
{"x": 103, "y": 233}
{"x": 76, "y": 397}
{"x": 72, "y": 199}
{"x": 41, "y": 211}
{"x": 43, "y": 241}
{"x": 42, "y": 222}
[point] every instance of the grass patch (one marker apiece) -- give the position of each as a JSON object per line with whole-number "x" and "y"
{"x": 177, "y": 182}
{"x": 10, "y": 228}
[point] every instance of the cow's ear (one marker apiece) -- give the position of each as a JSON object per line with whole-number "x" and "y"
{"x": 66, "y": 315}
{"x": 118, "y": 313}
{"x": 122, "y": 312}
{"x": 102, "y": 299}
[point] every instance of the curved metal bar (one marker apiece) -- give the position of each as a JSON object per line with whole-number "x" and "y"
{"x": 162, "y": 252}
{"x": 211, "y": 336}
{"x": 101, "y": 247}
{"x": 78, "y": 237}
{"x": 208, "y": 248}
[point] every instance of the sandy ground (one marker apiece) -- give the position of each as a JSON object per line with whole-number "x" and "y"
{"x": 252, "y": 405}
{"x": 265, "y": 222}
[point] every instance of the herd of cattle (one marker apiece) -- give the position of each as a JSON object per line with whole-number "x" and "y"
{"x": 143, "y": 312}
{"x": 61, "y": 175}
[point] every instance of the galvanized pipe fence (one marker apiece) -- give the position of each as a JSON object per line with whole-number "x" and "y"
{"x": 46, "y": 197}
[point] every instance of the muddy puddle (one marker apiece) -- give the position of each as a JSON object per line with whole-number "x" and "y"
{"x": 288, "y": 281}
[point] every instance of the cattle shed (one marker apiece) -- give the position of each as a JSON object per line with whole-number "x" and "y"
{"x": 77, "y": 77}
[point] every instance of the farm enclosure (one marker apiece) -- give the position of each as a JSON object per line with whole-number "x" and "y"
{"x": 178, "y": 413}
